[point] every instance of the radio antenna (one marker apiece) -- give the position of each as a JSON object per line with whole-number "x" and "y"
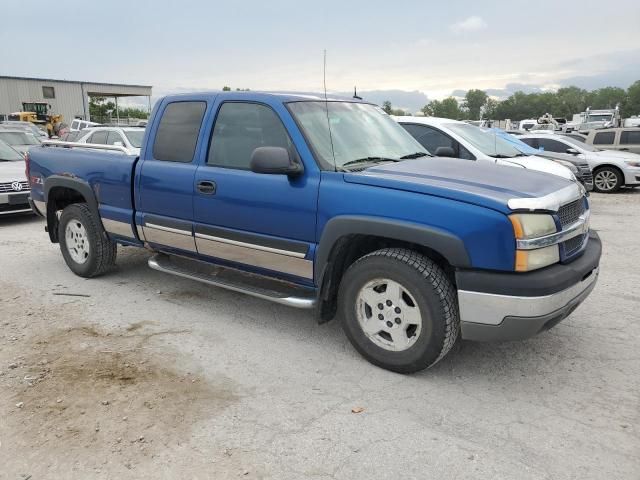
{"x": 326, "y": 107}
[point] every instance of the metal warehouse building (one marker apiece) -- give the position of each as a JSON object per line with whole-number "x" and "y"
{"x": 67, "y": 97}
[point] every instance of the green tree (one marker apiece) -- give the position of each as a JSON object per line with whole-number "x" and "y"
{"x": 489, "y": 108}
{"x": 633, "y": 100}
{"x": 100, "y": 107}
{"x": 226, "y": 89}
{"x": 386, "y": 106}
{"x": 474, "y": 100}
{"x": 447, "y": 108}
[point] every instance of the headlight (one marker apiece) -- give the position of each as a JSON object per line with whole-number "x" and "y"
{"x": 534, "y": 225}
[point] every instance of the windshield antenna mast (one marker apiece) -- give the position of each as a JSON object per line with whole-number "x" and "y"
{"x": 326, "y": 106}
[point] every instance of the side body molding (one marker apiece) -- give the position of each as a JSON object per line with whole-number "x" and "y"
{"x": 445, "y": 243}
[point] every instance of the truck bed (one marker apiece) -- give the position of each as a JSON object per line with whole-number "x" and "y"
{"x": 108, "y": 173}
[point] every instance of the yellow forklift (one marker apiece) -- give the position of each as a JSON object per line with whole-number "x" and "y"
{"x": 39, "y": 113}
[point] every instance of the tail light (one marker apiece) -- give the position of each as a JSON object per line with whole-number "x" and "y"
{"x": 27, "y": 167}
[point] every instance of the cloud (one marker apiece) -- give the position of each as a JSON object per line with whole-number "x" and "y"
{"x": 471, "y": 24}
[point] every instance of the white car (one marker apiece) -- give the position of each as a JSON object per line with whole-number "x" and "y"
{"x": 14, "y": 188}
{"x": 130, "y": 138}
{"x": 450, "y": 138}
{"x": 612, "y": 169}
{"x": 19, "y": 139}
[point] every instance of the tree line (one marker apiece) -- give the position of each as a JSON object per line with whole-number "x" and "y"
{"x": 565, "y": 102}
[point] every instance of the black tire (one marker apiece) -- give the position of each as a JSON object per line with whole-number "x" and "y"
{"x": 610, "y": 172}
{"x": 433, "y": 292}
{"x": 102, "y": 251}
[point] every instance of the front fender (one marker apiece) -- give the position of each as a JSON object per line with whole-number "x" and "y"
{"x": 446, "y": 244}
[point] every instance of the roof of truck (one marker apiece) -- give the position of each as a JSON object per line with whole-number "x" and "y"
{"x": 257, "y": 95}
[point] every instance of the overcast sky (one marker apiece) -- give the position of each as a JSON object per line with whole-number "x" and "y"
{"x": 432, "y": 47}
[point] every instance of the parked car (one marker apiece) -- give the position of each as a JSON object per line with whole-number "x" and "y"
{"x": 611, "y": 169}
{"x": 259, "y": 193}
{"x": 579, "y": 167}
{"x": 14, "y": 188}
{"x": 19, "y": 139}
{"x": 450, "y": 138}
{"x": 623, "y": 139}
{"x": 129, "y": 138}
{"x": 78, "y": 124}
{"x": 527, "y": 124}
{"x": 27, "y": 126}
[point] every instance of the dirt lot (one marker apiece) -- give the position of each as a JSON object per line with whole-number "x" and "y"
{"x": 149, "y": 376}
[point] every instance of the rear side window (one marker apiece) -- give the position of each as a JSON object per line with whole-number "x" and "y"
{"x": 532, "y": 142}
{"x": 99, "y": 138}
{"x": 114, "y": 137}
{"x": 178, "y": 131}
{"x": 630, "y": 137}
{"x": 604, "y": 138}
{"x": 241, "y": 128}
{"x": 550, "y": 145}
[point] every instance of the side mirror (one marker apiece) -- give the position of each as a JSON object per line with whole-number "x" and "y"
{"x": 274, "y": 160}
{"x": 445, "y": 152}
{"x": 572, "y": 151}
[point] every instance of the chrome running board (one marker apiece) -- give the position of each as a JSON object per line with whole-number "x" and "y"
{"x": 259, "y": 286}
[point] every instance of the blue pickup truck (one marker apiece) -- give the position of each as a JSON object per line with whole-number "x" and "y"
{"x": 328, "y": 204}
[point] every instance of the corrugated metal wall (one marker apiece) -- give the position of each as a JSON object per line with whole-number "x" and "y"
{"x": 70, "y": 97}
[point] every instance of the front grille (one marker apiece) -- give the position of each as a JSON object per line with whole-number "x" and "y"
{"x": 570, "y": 213}
{"x": 585, "y": 174}
{"x": 7, "y": 188}
{"x": 572, "y": 245}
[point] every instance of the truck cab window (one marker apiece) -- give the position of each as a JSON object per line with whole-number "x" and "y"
{"x": 178, "y": 131}
{"x": 241, "y": 128}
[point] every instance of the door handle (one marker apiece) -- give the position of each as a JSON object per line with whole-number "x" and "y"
{"x": 207, "y": 187}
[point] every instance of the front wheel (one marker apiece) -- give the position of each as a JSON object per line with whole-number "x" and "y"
{"x": 399, "y": 309}
{"x": 85, "y": 246}
{"x": 607, "y": 180}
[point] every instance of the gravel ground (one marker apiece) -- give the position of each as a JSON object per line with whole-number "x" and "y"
{"x": 152, "y": 376}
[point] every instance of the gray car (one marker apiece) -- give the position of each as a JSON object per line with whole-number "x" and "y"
{"x": 18, "y": 139}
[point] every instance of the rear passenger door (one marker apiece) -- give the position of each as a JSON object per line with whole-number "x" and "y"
{"x": 164, "y": 193}
{"x": 261, "y": 221}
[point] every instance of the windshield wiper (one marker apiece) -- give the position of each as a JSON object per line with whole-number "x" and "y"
{"x": 415, "y": 155}
{"x": 499, "y": 155}
{"x": 370, "y": 160}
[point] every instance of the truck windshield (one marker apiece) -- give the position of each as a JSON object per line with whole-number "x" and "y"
{"x": 135, "y": 137}
{"x": 8, "y": 154}
{"x": 607, "y": 117}
{"x": 359, "y": 132}
{"x": 488, "y": 143}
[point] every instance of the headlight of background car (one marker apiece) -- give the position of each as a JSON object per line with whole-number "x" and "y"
{"x": 533, "y": 225}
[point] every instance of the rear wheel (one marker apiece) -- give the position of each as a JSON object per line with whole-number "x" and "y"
{"x": 85, "y": 246}
{"x": 607, "y": 180}
{"x": 399, "y": 310}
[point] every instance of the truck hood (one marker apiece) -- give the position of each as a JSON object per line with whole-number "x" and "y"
{"x": 12, "y": 171}
{"x": 480, "y": 183}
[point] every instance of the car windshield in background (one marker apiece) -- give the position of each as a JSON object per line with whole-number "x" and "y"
{"x": 19, "y": 138}
{"x": 487, "y": 142}
{"x": 581, "y": 145}
{"x": 359, "y": 131}
{"x": 135, "y": 137}
{"x": 8, "y": 154}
